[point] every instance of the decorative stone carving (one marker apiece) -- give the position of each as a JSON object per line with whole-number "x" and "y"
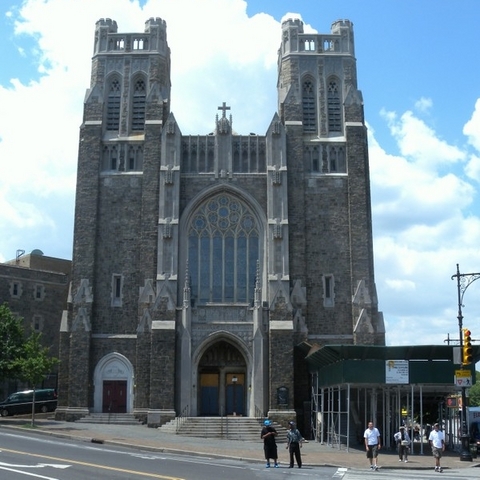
{"x": 147, "y": 293}
{"x": 169, "y": 175}
{"x": 81, "y": 320}
{"x": 277, "y": 176}
{"x": 84, "y": 293}
{"x": 145, "y": 323}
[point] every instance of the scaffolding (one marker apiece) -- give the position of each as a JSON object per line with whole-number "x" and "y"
{"x": 341, "y": 413}
{"x": 341, "y": 410}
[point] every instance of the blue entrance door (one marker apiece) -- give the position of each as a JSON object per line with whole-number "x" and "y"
{"x": 209, "y": 401}
{"x": 209, "y": 394}
{"x": 235, "y": 400}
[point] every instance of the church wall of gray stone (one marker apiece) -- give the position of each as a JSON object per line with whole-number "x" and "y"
{"x": 180, "y": 305}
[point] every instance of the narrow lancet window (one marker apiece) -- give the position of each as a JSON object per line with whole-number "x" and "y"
{"x": 138, "y": 106}
{"x": 334, "y": 107}
{"x": 328, "y": 291}
{"x": 309, "y": 110}
{"x": 113, "y": 106}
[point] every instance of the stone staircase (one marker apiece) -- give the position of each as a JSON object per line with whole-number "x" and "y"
{"x": 229, "y": 428}
{"x": 112, "y": 418}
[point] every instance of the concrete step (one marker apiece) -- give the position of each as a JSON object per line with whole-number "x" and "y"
{"x": 231, "y": 428}
{"x": 110, "y": 418}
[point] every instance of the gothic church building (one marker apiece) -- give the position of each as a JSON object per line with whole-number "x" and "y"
{"x": 205, "y": 266}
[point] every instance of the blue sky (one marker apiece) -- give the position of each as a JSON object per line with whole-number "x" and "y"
{"x": 419, "y": 73}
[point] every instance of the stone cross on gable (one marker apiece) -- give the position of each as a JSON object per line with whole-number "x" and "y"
{"x": 224, "y": 109}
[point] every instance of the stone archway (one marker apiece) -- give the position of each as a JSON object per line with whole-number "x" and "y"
{"x": 222, "y": 380}
{"x": 113, "y": 385}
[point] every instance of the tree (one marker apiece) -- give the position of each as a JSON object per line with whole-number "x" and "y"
{"x": 34, "y": 364}
{"x": 11, "y": 342}
{"x": 474, "y": 393}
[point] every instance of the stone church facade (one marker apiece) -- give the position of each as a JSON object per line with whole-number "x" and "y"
{"x": 204, "y": 265}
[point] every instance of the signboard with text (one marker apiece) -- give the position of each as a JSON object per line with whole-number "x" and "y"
{"x": 397, "y": 371}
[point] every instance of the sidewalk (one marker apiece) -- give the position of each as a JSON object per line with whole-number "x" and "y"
{"x": 144, "y": 438}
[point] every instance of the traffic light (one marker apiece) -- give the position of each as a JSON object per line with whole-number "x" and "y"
{"x": 467, "y": 350}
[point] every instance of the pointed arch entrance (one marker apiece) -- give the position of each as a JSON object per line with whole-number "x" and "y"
{"x": 222, "y": 377}
{"x": 113, "y": 382}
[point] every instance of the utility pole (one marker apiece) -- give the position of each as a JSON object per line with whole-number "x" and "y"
{"x": 464, "y": 280}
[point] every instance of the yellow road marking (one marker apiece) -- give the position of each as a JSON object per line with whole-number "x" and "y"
{"x": 86, "y": 464}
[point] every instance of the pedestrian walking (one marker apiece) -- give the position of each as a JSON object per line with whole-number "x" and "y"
{"x": 416, "y": 433}
{"x": 437, "y": 442}
{"x": 268, "y": 435}
{"x": 294, "y": 444}
{"x": 372, "y": 444}
{"x": 402, "y": 439}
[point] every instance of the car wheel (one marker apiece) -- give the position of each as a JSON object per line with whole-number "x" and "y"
{"x": 44, "y": 409}
{"x": 4, "y": 412}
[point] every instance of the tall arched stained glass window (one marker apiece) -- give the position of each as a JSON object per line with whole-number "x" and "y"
{"x": 223, "y": 250}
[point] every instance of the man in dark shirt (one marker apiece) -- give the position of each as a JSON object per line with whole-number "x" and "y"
{"x": 269, "y": 444}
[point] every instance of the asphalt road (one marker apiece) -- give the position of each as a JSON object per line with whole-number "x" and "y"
{"x": 27, "y": 455}
{"x": 30, "y": 456}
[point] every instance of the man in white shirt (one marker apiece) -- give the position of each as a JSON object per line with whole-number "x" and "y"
{"x": 372, "y": 444}
{"x": 437, "y": 442}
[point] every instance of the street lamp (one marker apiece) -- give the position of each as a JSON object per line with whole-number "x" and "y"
{"x": 464, "y": 280}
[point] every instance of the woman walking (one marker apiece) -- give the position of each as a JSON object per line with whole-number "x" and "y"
{"x": 403, "y": 442}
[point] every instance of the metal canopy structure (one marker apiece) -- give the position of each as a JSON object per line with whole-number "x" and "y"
{"x": 320, "y": 357}
{"x": 352, "y": 384}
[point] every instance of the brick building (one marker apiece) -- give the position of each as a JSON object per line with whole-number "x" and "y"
{"x": 202, "y": 262}
{"x": 35, "y": 287}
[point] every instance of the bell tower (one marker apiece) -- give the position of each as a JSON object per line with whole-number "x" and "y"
{"x": 125, "y": 108}
{"x": 331, "y": 246}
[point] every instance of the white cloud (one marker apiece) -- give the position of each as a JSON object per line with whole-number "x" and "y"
{"x": 472, "y": 127}
{"x": 422, "y": 229}
{"x": 400, "y": 285}
{"x": 418, "y": 141}
{"x": 423, "y": 105}
{"x": 472, "y": 169}
{"x": 407, "y": 192}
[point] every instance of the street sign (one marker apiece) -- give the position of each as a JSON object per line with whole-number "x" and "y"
{"x": 463, "y": 378}
{"x": 463, "y": 382}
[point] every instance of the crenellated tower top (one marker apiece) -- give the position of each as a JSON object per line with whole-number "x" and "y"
{"x": 317, "y": 79}
{"x": 344, "y": 28}
{"x": 130, "y": 75}
{"x": 152, "y": 40}
{"x": 294, "y": 40}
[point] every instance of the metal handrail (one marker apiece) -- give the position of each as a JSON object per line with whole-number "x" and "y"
{"x": 182, "y": 418}
{"x": 259, "y": 415}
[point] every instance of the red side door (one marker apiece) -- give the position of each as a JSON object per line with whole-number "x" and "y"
{"x": 114, "y": 396}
